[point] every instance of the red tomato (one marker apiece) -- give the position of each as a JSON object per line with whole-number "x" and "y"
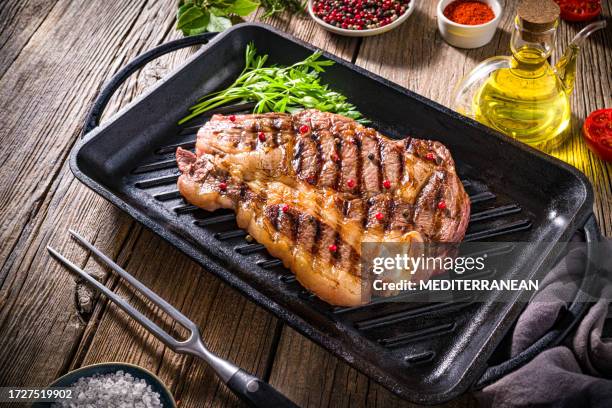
{"x": 579, "y": 10}
{"x": 597, "y": 132}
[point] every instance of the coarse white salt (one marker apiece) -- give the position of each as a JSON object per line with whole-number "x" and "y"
{"x": 116, "y": 390}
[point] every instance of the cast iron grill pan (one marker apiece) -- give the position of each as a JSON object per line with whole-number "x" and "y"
{"x": 426, "y": 353}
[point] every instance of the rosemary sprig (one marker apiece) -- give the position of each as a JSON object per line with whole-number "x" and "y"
{"x": 279, "y": 89}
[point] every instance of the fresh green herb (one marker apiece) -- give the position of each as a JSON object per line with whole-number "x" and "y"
{"x": 279, "y": 89}
{"x": 197, "y": 16}
{"x": 278, "y": 6}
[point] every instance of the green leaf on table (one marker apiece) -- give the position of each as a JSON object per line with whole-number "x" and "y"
{"x": 193, "y": 20}
{"x": 196, "y": 31}
{"x": 188, "y": 13}
{"x": 218, "y": 23}
{"x": 182, "y": 9}
{"x": 219, "y": 12}
{"x": 242, "y": 8}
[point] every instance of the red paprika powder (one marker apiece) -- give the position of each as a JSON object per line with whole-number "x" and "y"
{"x": 469, "y": 12}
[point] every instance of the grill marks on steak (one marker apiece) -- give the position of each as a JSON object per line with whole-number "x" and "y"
{"x": 391, "y": 159}
{"x": 328, "y": 174}
{"x": 311, "y": 198}
{"x": 370, "y": 164}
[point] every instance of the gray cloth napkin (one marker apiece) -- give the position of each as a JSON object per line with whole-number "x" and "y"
{"x": 575, "y": 374}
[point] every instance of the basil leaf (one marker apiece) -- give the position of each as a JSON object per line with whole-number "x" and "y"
{"x": 182, "y": 9}
{"x": 196, "y": 31}
{"x": 188, "y": 13}
{"x": 193, "y": 18}
{"x": 242, "y": 8}
{"x": 219, "y": 12}
{"x": 218, "y": 24}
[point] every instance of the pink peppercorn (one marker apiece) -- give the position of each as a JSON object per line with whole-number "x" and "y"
{"x": 359, "y": 14}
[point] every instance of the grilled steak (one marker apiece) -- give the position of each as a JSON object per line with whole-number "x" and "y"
{"x": 311, "y": 187}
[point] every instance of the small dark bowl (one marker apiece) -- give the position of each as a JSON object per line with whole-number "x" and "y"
{"x": 107, "y": 368}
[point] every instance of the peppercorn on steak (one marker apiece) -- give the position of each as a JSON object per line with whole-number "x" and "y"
{"x": 311, "y": 187}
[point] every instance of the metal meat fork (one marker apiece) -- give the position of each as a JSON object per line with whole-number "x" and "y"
{"x": 249, "y": 388}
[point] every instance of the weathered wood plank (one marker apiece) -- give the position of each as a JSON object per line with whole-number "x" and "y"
{"x": 593, "y": 91}
{"x": 58, "y": 72}
{"x": 40, "y": 324}
{"x": 18, "y": 22}
{"x": 53, "y": 79}
{"x": 305, "y": 29}
{"x": 420, "y": 60}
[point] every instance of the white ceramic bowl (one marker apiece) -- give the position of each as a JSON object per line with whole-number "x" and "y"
{"x": 468, "y": 36}
{"x": 363, "y": 33}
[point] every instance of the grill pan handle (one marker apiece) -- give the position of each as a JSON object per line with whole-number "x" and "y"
{"x": 570, "y": 320}
{"x": 257, "y": 393}
{"x": 94, "y": 114}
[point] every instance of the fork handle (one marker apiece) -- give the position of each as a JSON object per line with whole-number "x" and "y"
{"x": 257, "y": 393}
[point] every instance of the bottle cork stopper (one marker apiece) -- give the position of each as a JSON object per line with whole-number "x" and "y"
{"x": 538, "y": 15}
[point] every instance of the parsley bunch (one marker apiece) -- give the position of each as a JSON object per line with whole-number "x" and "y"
{"x": 279, "y": 89}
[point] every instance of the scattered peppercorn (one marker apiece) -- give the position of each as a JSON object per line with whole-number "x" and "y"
{"x": 359, "y": 14}
{"x": 232, "y": 118}
{"x": 261, "y": 136}
{"x": 222, "y": 186}
{"x": 442, "y": 205}
{"x": 304, "y": 129}
{"x": 350, "y": 183}
{"x": 379, "y": 216}
{"x": 333, "y": 248}
{"x": 285, "y": 208}
{"x": 430, "y": 156}
{"x": 335, "y": 157}
{"x": 387, "y": 184}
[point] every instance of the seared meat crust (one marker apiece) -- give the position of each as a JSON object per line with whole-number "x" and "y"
{"x": 311, "y": 187}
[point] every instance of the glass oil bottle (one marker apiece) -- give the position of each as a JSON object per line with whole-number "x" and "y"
{"x": 522, "y": 95}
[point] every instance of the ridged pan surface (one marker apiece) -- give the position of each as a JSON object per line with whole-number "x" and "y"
{"x": 426, "y": 353}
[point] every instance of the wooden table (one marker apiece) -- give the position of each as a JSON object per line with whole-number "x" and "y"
{"x": 54, "y": 56}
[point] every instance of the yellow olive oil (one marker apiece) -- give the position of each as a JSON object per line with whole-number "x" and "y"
{"x": 527, "y": 101}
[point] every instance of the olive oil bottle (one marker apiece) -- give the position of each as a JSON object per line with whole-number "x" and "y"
{"x": 527, "y": 101}
{"x": 522, "y": 95}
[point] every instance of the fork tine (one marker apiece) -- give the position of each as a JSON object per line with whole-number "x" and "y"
{"x": 122, "y": 303}
{"x": 154, "y": 297}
